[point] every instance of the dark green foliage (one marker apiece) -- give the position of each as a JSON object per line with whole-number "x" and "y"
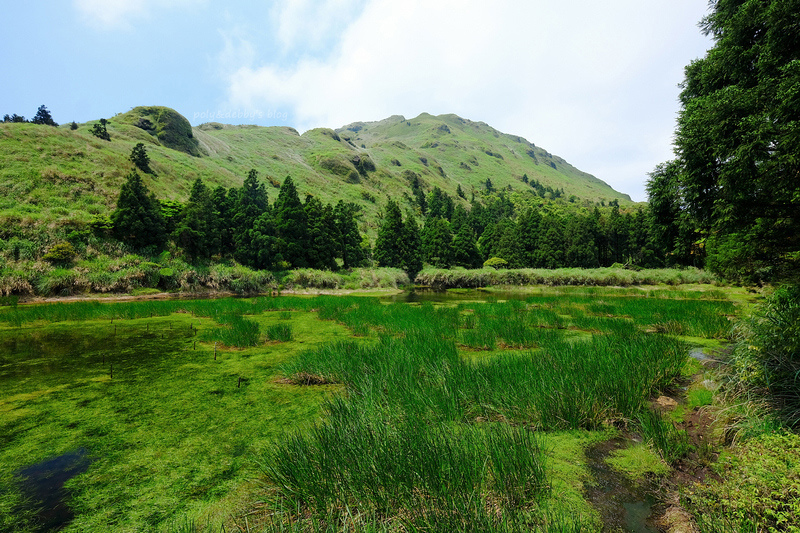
{"x": 137, "y": 219}
{"x": 73, "y": 125}
{"x": 323, "y": 235}
{"x": 291, "y": 226}
{"x": 737, "y": 142}
{"x": 350, "y": 240}
{"x": 251, "y": 204}
{"x": 388, "y": 246}
{"x": 14, "y": 118}
{"x": 43, "y": 117}
{"x": 140, "y": 158}
{"x": 436, "y": 242}
{"x": 195, "y": 231}
{"x": 411, "y": 248}
{"x": 768, "y": 357}
{"x": 100, "y": 131}
{"x": 440, "y": 204}
{"x": 550, "y": 253}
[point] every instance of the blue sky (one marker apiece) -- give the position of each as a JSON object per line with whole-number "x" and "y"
{"x": 594, "y": 82}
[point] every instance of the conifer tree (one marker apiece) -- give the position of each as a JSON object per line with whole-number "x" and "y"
{"x": 323, "y": 236}
{"x": 194, "y": 232}
{"x": 291, "y": 225}
{"x": 437, "y": 241}
{"x": 43, "y": 117}
{"x": 251, "y": 204}
{"x": 411, "y": 248}
{"x": 388, "y": 245}
{"x": 350, "y": 240}
{"x": 137, "y": 219}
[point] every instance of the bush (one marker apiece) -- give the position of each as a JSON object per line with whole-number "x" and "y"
{"x": 495, "y": 262}
{"x": 61, "y": 253}
{"x": 767, "y": 358}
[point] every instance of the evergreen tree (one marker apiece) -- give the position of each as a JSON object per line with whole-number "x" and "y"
{"x": 194, "y": 232}
{"x": 137, "y": 219}
{"x": 411, "y": 248}
{"x": 140, "y": 158}
{"x": 737, "y": 139}
{"x": 251, "y": 203}
{"x": 389, "y": 243}
{"x": 323, "y": 235}
{"x": 43, "y": 117}
{"x": 100, "y": 131}
{"x": 581, "y": 251}
{"x": 291, "y": 225}
{"x": 528, "y": 223}
{"x": 436, "y": 241}
{"x": 550, "y": 252}
{"x": 350, "y": 249}
{"x": 465, "y": 248}
{"x": 223, "y": 202}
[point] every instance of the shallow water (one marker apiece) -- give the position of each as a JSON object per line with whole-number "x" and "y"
{"x": 624, "y": 505}
{"x": 44, "y": 483}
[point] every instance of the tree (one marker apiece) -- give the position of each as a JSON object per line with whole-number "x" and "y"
{"x": 43, "y": 117}
{"x": 250, "y": 204}
{"x": 14, "y": 118}
{"x": 291, "y": 225}
{"x": 137, "y": 219}
{"x": 350, "y": 240}
{"x": 323, "y": 238}
{"x": 411, "y": 248}
{"x": 738, "y": 137}
{"x": 194, "y": 231}
{"x": 99, "y": 130}
{"x": 436, "y": 242}
{"x": 388, "y": 245}
{"x": 140, "y": 158}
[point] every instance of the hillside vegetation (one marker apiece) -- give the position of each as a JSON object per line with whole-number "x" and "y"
{"x": 54, "y": 180}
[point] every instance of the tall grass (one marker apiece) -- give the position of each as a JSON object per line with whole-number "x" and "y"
{"x": 486, "y": 277}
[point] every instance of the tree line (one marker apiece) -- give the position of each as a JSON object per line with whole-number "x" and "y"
{"x": 240, "y": 223}
{"x": 289, "y": 233}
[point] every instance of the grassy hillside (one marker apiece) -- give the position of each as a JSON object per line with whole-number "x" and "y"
{"x": 54, "y": 180}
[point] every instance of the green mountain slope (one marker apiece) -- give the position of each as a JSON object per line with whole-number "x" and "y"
{"x": 53, "y": 180}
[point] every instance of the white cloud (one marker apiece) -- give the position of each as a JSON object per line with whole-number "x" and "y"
{"x": 121, "y": 14}
{"x": 110, "y": 14}
{"x": 587, "y": 80}
{"x": 312, "y": 24}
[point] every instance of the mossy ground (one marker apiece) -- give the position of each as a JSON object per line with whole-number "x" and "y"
{"x": 175, "y": 436}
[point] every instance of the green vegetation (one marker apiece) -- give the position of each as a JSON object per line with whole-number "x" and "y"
{"x": 733, "y": 191}
{"x": 361, "y": 412}
{"x": 760, "y": 490}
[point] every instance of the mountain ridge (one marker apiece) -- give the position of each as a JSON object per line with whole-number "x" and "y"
{"x": 60, "y": 178}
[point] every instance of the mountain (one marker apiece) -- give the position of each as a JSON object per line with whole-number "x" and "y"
{"x": 57, "y": 179}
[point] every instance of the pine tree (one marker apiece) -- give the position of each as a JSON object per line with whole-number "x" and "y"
{"x": 251, "y": 204}
{"x": 291, "y": 225}
{"x": 137, "y": 219}
{"x": 350, "y": 249}
{"x": 43, "y": 117}
{"x": 194, "y": 232}
{"x": 436, "y": 241}
{"x": 411, "y": 248}
{"x": 323, "y": 235}
{"x": 140, "y": 158}
{"x": 388, "y": 245}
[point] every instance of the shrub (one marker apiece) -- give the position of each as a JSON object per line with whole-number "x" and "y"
{"x": 495, "y": 262}
{"x": 61, "y": 253}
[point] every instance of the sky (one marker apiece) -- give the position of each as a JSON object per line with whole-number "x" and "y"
{"x": 596, "y": 83}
